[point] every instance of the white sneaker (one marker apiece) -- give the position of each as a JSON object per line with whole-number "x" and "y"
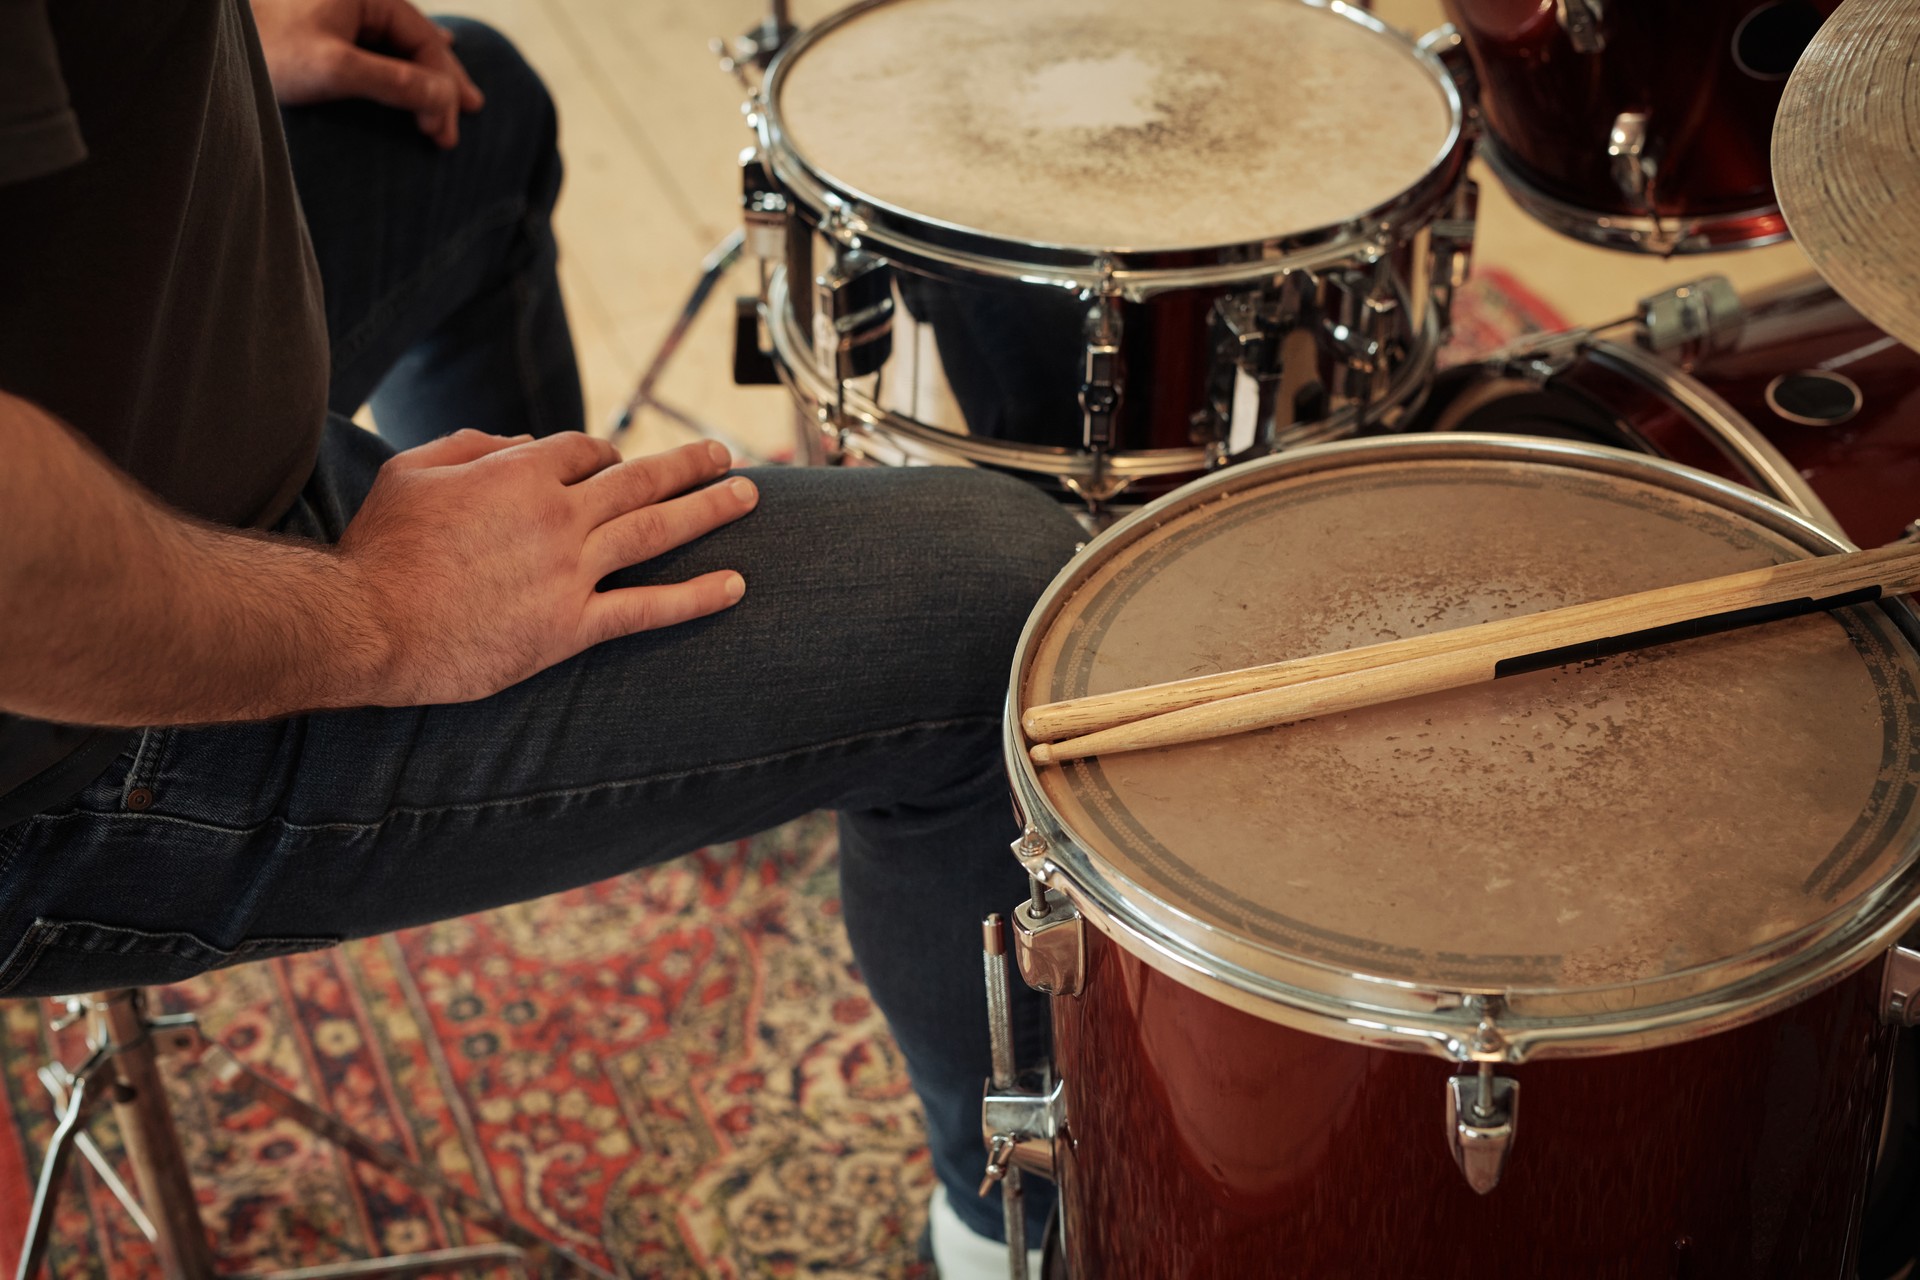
{"x": 960, "y": 1253}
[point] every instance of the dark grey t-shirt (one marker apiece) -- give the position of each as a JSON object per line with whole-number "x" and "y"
{"x": 157, "y": 290}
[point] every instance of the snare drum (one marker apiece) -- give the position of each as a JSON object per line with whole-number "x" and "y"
{"x": 1102, "y": 244}
{"x": 1577, "y": 973}
{"x": 1638, "y": 124}
{"x": 1810, "y": 403}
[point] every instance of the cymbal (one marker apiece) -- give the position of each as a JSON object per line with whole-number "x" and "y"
{"x": 1846, "y": 159}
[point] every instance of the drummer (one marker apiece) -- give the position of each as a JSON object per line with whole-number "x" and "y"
{"x": 332, "y": 689}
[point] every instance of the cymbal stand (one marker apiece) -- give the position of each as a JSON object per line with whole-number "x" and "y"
{"x": 124, "y": 1046}
{"x": 746, "y": 57}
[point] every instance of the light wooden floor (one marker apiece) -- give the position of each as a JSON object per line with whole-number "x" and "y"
{"x": 651, "y": 127}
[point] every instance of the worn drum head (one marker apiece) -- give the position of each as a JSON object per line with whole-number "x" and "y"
{"x": 1114, "y": 124}
{"x": 1586, "y": 842}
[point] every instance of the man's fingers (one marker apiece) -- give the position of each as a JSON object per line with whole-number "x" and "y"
{"x": 427, "y": 93}
{"x": 399, "y": 24}
{"x": 402, "y": 26}
{"x": 452, "y": 450}
{"x": 655, "y": 478}
{"x": 621, "y": 613}
{"x": 661, "y": 526}
{"x": 443, "y": 58}
{"x": 572, "y": 456}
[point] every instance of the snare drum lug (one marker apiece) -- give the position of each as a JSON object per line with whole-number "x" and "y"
{"x": 763, "y": 206}
{"x": 1450, "y": 242}
{"x": 1365, "y": 333}
{"x": 1699, "y": 318}
{"x": 1482, "y": 1112}
{"x": 1634, "y": 164}
{"x": 1581, "y": 20}
{"x": 1051, "y": 949}
{"x": 1102, "y": 374}
{"x": 853, "y": 322}
{"x": 1900, "y": 988}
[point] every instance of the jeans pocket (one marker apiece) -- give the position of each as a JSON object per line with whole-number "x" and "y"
{"x": 72, "y": 957}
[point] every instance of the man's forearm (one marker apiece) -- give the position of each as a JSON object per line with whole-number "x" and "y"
{"x": 117, "y": 611}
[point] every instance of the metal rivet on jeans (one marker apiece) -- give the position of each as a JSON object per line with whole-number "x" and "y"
{"x": 140, "y": 799}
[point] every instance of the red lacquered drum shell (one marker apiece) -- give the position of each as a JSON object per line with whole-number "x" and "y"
{"x": 1865, "y": 465}
{"x": 1205, "y": 1142}
{"x": 1858, "y": 449}
{"x": 1708, "y": 74}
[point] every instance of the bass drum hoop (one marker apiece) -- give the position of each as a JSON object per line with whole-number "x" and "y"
{"x": 1725, "y": 427}
{"x": 1410, "y": 1016}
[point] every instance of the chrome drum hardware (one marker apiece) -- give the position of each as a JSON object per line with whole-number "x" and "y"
{"x": 1107, "y": 372}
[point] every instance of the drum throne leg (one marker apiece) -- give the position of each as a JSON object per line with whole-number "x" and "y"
{"x": 122, "y": 1067}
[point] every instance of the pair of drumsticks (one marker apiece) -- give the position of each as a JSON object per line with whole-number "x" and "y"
{"x": 1163, "y": 715}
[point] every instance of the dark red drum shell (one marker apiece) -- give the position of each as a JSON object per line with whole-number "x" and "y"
{"x": 1205, "y": 1142}
{"x": 1865, "y": 468}
{"x": 1550, "y": 107}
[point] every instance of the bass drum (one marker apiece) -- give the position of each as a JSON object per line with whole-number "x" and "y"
{"x": 1811, "y": 404}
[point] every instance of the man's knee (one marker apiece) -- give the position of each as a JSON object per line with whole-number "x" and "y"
{"x": 518, "y": 113}
{"x": 496, "y": 66}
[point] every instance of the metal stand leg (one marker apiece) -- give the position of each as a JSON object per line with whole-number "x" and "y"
{"x": 53, "y": 1172}
{"x": 123, "y": 1068}
{"x": 712, "y": 268}
{"x": 746, "y": 57}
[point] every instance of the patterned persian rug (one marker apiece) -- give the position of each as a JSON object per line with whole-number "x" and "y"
{"x": 677, "y": 1073}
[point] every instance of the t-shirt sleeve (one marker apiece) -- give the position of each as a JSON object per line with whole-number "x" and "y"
{"x": 38, "y": 130}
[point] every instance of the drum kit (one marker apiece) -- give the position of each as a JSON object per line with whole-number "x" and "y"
{"x": 1188, "y": 266}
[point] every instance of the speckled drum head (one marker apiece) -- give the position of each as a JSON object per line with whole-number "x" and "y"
{"x": 1598, "y": 829}
{"x": 1116, "y": 123}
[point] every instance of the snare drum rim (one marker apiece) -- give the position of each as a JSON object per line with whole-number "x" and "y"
{"x": 1444, "y": 1020}
{"x": 840, "y": 209}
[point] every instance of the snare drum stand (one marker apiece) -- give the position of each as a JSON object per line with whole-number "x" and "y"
{"x": 124, "y": 1047}
{"x": 747, "y": 57}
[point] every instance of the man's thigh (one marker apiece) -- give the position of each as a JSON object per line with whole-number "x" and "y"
{"x": 865, "y": 669}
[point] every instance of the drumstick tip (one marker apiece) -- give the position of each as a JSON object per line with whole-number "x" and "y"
{"x": 1041, "y": 753}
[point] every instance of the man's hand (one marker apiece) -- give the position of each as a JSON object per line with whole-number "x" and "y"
{"x": 482, "y": 554}
{"x": 317, "y": 51}
{"x": 473, "y": 563}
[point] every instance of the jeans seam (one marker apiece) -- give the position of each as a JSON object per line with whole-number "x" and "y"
{"x": 378, "y": 315}
{"x": 563, "y": 793}
{"x": 17, "y": 967}
{"x": 147, "y": 759}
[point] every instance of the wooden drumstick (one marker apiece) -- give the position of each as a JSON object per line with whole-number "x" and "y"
{"x": 1281, "y": 692}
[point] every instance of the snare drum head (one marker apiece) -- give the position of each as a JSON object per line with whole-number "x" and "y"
{"x": 1594, "y": 828}
{"x": 1115, "y": 124}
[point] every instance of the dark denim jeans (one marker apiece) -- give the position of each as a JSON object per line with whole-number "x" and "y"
{"x": 865, "y": 671}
